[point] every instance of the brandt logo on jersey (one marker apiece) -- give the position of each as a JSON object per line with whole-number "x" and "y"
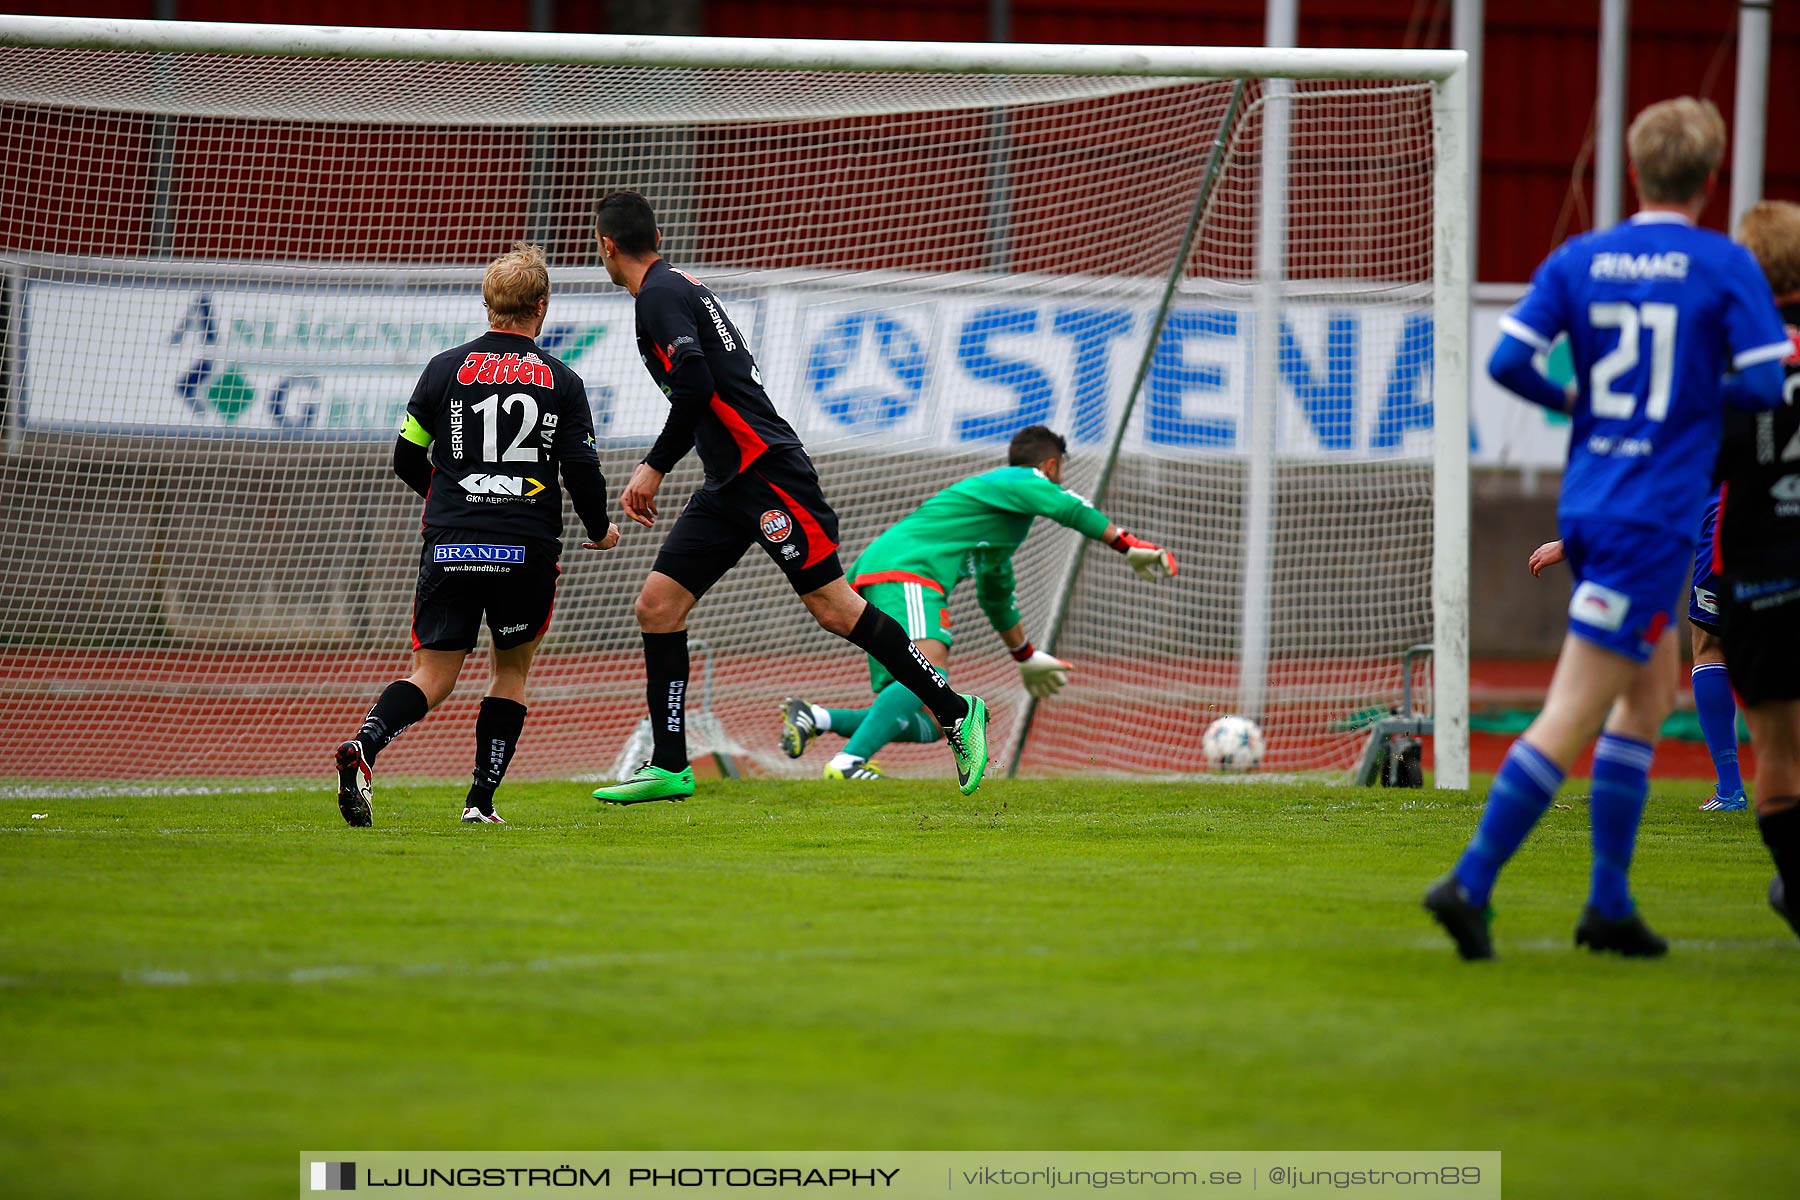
{"x": 481, "y": 367}
{"x": 511, "y": 486}
{"x": 776, "y": 526}
{"x": 478, "y": 553}
{"x": 1600, "y": 607}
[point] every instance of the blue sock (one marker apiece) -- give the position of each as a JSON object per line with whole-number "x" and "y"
{"x": 1521, "y": 792}
{"x": 1717, "y": 710}
{"x": 1621, "y": 782}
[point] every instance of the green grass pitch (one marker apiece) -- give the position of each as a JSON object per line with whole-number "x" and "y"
{"x": 195, "y": 989}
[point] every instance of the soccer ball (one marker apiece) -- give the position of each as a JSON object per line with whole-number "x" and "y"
{"x": 1232, "y": 744}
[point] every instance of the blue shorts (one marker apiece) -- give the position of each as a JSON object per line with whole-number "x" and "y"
{"x": 1627, "y": 581}
{"x": 1703, "y": 605}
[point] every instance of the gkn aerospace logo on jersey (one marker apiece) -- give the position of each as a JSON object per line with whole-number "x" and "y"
{"x": 500, "y": 488}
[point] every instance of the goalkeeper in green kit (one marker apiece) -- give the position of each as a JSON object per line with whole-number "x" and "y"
{"x": 969, "y": 530}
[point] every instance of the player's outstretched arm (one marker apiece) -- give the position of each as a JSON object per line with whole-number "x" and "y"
{"x": 1511, "y": 368}
{"x": 1756, "y": 388}
{"x": 1044, "y": 674}
{"x": 1546, "y": 555}
{"x": 1149, "y": 560}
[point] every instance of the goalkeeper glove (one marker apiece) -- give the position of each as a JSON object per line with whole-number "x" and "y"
{"x": 1044, "y": 674}
{"x": 1149, "y": 561}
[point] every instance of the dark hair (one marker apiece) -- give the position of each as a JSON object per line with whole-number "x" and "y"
{"x": 1035, "y": 444}
{"x": 628, "y": 220}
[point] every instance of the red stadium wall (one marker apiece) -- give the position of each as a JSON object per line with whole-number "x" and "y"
{"x": 1541, "y": 71}
{"x": 1536, "y": 111}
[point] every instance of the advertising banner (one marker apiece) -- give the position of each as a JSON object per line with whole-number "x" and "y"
{"x": 909, "y": 365}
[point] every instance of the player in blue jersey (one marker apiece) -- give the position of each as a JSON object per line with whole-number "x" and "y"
{"x": 1714, "y": 704}
{"x": 1656, "y": 311}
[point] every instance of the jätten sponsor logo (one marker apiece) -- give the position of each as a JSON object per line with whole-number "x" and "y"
{"x": 527, "y": 369}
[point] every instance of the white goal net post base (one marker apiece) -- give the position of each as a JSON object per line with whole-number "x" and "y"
{"x": 1236, "y": 278}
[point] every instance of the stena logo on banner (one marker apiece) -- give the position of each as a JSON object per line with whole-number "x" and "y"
{"x": 1353, "y": 380}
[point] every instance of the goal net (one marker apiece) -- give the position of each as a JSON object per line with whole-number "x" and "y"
{"x": 224, "y": 261}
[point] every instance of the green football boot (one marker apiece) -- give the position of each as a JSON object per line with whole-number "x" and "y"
{"x": 968, "y": 742}
{"x": 649, "y": 783}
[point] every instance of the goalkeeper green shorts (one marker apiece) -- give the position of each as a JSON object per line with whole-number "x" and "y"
{"x": 922, "y": 611}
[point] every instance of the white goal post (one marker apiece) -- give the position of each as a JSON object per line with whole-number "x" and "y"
{"x": 229, "y": 248}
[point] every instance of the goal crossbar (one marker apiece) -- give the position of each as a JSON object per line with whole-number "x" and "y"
{"x": 956, "y": 58}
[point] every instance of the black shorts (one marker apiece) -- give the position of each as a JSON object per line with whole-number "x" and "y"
{"x": 777, "y": 502}
{"x": 1760, "y": 626}
{"x": 463, "y": 576}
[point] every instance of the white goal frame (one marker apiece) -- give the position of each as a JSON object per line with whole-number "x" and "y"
{"x": 1445, "y": 70}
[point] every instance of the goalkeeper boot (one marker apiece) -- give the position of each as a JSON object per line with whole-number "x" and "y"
{"x": 649, "y": 783}
{"x": 1778, "y": 902}
{"x": 1467, "y": 925}
{"x": 474, "y": 816}
{"x": 1736, "y": 802}
{"x": 862, "y": 769}
{"x": 356, "y": 784}
{"x": 1628, "y": 936}
{"x": 798, "y": 728}
{"x": 968, "y": 742}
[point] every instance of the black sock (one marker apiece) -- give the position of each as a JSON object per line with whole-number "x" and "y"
{"x": 1781, "y": 834}
{"x": 665, "y": 685}
{"x": 888, "y": 644}
{"x": 400, "y": 705}
{"x": 497, "y": 729}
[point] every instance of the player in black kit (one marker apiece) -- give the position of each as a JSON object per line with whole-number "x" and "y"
{"x": 1757, "y": 549}
{"x": 487, "y": 428}
{"x": 760, "y": 489}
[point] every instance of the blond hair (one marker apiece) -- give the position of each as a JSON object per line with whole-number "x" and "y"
{"x": 1770, "y": 230}
{"x": 1676, "y": 145}
{"x": 514, "y": 283}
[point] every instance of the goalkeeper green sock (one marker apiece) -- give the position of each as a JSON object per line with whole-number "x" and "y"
{"x": 845, "y": 721}
{"x": 889, "y": 719}
{"x": 921, "y": 729}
